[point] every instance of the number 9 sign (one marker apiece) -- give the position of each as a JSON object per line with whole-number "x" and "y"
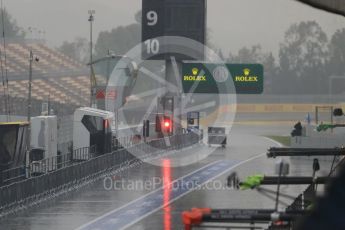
{"x": 152, "y": 18}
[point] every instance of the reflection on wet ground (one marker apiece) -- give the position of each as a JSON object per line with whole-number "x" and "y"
{"x": 97, "y": 200}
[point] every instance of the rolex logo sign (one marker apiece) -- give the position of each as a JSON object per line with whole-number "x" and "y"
{"x": 196, "y": 76}
{"x": 246, "y": 72}
{"x": 246, "y": 77}
{"x": 195, "y": 71}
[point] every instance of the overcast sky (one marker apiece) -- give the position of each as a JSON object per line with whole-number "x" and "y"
{"x": 234, "y": 23}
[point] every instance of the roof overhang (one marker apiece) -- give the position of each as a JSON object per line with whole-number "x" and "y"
{"x": 332, "y": 6}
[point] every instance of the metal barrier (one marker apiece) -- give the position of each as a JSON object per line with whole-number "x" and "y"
{"x": 47, "y": 165}
{"x": 85, "y": 153}
{"x": 12, "y": 175}
{"x": 19, "y": 193}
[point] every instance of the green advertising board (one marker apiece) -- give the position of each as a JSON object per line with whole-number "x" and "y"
{"x": 222, "y": 78}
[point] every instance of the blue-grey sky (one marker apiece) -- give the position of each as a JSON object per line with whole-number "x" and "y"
{"x": 234, "y": 23}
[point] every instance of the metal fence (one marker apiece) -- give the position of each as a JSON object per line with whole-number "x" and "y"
{"x": 37, "y": 168}
{"x": 12, "y": 175}
{"x": 26, "y": 191}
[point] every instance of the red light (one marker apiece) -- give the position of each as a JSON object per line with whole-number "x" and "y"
{"x": 166, "y": 124}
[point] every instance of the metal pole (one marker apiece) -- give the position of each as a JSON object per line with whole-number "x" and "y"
{"x": 316, "y": 115}
{"x": 91, "y": 18}
{"x": 49, "y": 105}
{"x": 91, "y": 45}
{"x": 278, "y": 186}
{"x": 332, "y": 116}
{"x": 278, "y": 152}
{"x": 330, "y": 81}
{"x": 30, "y": 82}
{"x": 294, "y": 180}
{"x": 117, "y": 123}
{"x": 28, "y": 136}
{"x": 171, "y": 78}
{"x": 108, "y": 65}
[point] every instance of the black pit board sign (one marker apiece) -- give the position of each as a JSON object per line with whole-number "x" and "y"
{"x": 184, "y": 18}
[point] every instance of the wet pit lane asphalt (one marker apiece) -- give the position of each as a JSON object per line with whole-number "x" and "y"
{"x": 103, "y": 206}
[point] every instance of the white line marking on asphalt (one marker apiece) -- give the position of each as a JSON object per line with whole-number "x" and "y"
{"x": 178, "y": 197}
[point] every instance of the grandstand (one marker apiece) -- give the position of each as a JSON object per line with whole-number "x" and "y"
{"x": 56, "y": 76}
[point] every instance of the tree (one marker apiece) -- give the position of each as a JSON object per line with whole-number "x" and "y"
{"x": 302, "y": 58}
{"x": 208, "y": 39}
{"x": 138, "y": 16}
{"x": 220, "y": 54}
{"x": 12, "y": 30}
{"x": 118, "y": 40}
{"x": 77, "y": 49}
{"x": 248, "y": 55}
{"x": 336, "y": 63}
{"x": 270, "y": 73}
